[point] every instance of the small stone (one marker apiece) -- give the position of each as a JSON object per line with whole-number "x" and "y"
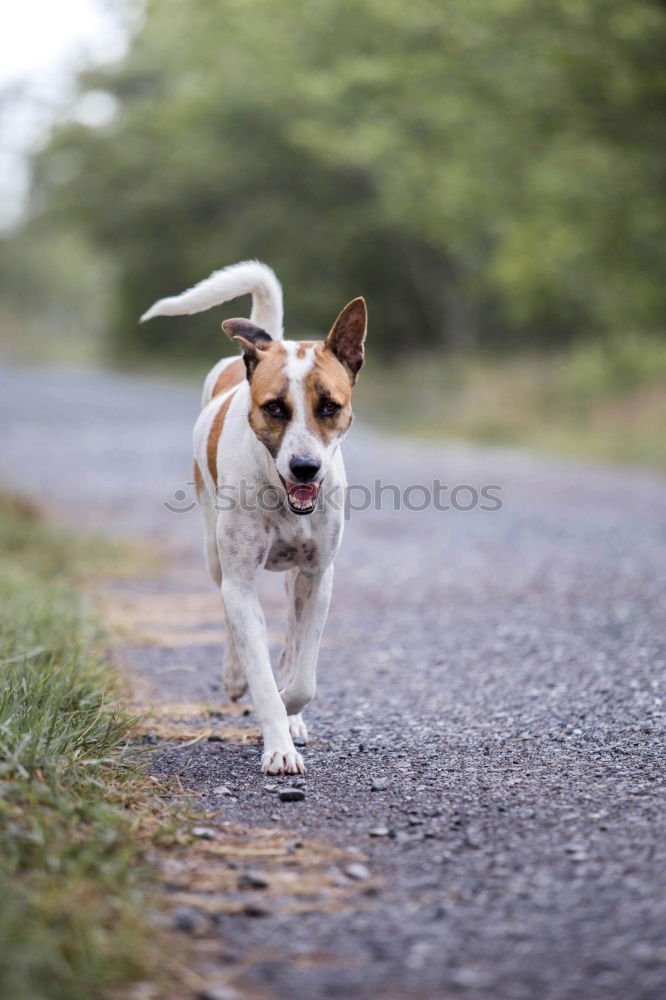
{"x": 218, "y": 993}
{"x": 298, "y": 783}
{"x": 204, "y": 832}
{"x": 379, "y": 785}
{"x": 415, "y": 821}
{"x": 380, "y": 831}
{"x": 149, "y": 738}
{"x": 578, "y": 856}
{"x": 270, "y": 788}
{"x": 188, "y": 920}
{"x": 358, "y": 872}
{"x": 470, "y": 978}
{"x": 253, "y": 880}
{"x": 473, "y": 837}
{"x": 215, "y": 738}
{"x": 291, "y": 795}
{"x": 221, "y": 790}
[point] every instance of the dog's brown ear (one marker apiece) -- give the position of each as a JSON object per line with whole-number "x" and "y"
{"x": 252, "y": 339}
{"x": 347, "y": 337}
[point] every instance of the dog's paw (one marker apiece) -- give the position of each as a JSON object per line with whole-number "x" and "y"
{"x": 277, "y": 762}
{"x": 298, "y": 730}
{"x": 235, "y": 689}
{"x": 234, "y": 681}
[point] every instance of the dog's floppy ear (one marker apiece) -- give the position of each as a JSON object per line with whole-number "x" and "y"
{"x": 347, "y": 337}
{"x": 252, "y": 339}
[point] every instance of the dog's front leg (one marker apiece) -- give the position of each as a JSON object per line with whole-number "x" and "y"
{"x": 241, "y": 555}
{"x": 311, "y": 596}
{"x": 246, "y": 620}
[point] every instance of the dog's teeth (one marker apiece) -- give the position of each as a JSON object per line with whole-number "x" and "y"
{"x": 299, "y": 505}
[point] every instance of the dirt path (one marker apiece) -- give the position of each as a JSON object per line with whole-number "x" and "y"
{"x": 499, "y": 675}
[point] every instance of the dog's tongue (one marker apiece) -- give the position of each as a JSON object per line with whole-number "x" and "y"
{"x": 303, "y": 492}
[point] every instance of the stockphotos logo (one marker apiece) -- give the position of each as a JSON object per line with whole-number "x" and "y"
{"x": 414, "y": 497}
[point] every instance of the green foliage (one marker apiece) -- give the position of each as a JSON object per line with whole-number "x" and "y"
{"x": 51, "y": 288}
{"x": 485, "y": 172}
{"x": 73, "y": 896}
{"x": 613, "y": 366}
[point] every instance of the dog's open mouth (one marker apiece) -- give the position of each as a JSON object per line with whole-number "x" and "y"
{"x": 302, "y": 496}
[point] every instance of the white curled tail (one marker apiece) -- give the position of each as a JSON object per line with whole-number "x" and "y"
{"x": 248, "y": 277}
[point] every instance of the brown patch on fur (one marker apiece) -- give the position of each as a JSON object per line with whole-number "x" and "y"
{"x": 304, "y": 346}
{"x": 229, "y": 377}
{"x": 328, "y": 380}
{"x": 198, "y": 479}
{"x": 269, "y": 382}
{"x": 214, "y": 437}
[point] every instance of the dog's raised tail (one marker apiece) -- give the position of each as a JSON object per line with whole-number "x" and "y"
{"x": 248, "y": 277}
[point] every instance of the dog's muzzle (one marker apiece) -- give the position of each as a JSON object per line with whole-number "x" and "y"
{"x": 302, "y": 497}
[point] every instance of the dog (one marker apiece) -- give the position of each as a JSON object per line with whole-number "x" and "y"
{"x": 271, "y": 425}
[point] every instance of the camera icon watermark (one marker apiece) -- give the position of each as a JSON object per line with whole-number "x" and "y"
{"x": 183, "y": 501}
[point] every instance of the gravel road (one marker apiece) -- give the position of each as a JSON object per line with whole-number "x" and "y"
{"x": 497, "y": 674}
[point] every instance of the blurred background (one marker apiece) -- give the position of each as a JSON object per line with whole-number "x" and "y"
{"x": 488, "y": 173}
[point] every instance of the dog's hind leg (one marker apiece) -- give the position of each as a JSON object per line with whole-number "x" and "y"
{"x": 287, "y": 661}
{"x": 310, "y": 594}
{"x": 233, "y": 676}
{"x": 210, "y": 537}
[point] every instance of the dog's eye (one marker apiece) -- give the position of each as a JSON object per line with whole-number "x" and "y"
{"x": 328, "y": 408}
{"x": 274, "y": 408}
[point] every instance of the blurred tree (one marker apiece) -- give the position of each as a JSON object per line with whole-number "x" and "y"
{"x": 485, "y": 171}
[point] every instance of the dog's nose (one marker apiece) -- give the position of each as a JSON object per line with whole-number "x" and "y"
{"x": 304, "y": 468}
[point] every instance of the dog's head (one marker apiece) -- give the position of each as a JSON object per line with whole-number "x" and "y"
{"x": 301, "y": 397}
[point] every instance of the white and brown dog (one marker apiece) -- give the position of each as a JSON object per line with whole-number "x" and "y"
{"x": 272, "y": 421}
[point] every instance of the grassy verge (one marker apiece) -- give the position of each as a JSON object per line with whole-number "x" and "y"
{"x": 605, "y": 402}
{"x": 74, "y": 891}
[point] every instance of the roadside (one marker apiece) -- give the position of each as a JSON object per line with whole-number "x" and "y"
{"x": 76, "y": 903}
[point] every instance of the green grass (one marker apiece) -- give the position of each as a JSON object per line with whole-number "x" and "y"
{"x": 74, "y": 891}
{"x": 604, "y": 401}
